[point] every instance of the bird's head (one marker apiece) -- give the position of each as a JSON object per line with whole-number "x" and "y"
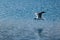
{"x": 36, "y": 13}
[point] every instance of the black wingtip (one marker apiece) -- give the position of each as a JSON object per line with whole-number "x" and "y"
{"x": 43, "y": 12}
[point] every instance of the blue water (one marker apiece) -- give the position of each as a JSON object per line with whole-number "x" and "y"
{"x": 17, "y": 20}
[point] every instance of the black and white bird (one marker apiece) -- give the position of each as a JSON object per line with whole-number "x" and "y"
{"x": 39, "y": 15}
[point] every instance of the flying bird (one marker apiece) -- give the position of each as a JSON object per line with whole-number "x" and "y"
{"x": 39, "y": 15}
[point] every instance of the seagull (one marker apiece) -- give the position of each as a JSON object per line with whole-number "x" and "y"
{"x": 39, "y": 15}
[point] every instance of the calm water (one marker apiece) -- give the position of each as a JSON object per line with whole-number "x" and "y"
{"x": 17, "y": 20}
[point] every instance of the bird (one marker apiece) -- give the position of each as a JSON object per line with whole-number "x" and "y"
{"x": 39, "y": 15}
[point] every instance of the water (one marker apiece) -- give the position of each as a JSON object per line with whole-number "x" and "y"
{"x": 17, "y": 20}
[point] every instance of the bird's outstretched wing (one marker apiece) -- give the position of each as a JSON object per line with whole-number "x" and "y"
{"x": 42, "y": 12}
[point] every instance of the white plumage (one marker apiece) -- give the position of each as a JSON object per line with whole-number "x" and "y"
{"x": 39, "y": 15}
{"x": 36, "y": 15}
